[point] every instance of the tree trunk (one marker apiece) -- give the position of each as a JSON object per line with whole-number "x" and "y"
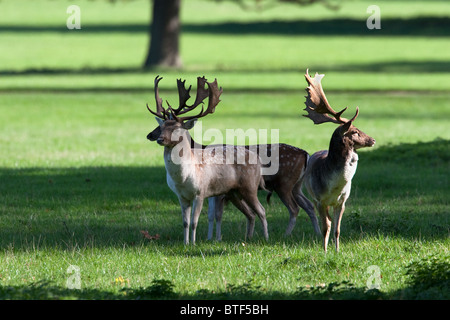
{"x": 164, "y": 35}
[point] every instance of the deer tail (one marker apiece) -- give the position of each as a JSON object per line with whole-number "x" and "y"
{"x": 268, "y": 197}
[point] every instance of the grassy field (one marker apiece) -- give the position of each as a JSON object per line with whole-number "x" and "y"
{"x": 79, "y": 180}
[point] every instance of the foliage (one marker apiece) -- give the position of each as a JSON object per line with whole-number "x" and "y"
{"x": 429, "y": 278}
{"x": 339, "y": 290}
{"x": 159, "y": 289}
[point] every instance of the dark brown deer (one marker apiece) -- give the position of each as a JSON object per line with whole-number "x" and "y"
{"x": 329, "y": 172}
{"x": 285, "y": 182}
{"x": 196, "y": 174}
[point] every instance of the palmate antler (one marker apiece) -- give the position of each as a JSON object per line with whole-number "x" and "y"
{"x": 317, "y": 106}
{"x": 212, "y": 92}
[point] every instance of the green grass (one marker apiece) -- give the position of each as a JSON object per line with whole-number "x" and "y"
{"x": 79, "y": 180}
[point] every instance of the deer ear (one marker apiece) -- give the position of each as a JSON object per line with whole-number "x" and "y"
{"x": 346, "y": 127}
{"x": 154, "y": 135}
{"x": 160, "y": 121}
{"x": 189, "y": 124}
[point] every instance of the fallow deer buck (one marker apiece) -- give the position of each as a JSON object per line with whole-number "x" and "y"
{"x": 196, "y": 174}
{"x": 329, "y": 172}
{"x": 286, "y": 182}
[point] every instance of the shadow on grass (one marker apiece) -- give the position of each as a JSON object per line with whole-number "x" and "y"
{"x": 91, "y": 206}
{"x": 403, "y": 190}
{"x": 162, "y": 289}
{"x": 415, "y": 26}
{"x": 436, "y": 66}
{"x": 403, "y": 187}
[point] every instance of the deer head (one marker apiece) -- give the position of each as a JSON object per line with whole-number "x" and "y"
{"x": 170, "y": 120}
{"x": 320, "y": 111}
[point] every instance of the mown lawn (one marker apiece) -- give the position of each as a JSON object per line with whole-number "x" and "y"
{"x": 79, "y": 180}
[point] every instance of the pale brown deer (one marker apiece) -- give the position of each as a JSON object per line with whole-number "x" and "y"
{"x": 196, "y": 174}
{"x": 329, "y": 172}
{"x": 285, "y": 182}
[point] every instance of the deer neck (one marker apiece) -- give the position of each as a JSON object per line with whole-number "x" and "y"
{"x": 179, "y": 160}
{"x": 342, "y": 158}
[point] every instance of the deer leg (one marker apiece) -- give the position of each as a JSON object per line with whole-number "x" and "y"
{"x": 215, "y": 211}
{"x": 253, "y": 202}
{"x": 337, "y": 224}
{"x": 197, "y": 208}
{"x": 186, "y": 214}
{"x": 211, "y": 216}
{"x": 306, "y": 205}
{"x": 288, "y": 200}
{"x": 243, "y": 207}
{"x": 250, "y": 219}
{"x": 219, "y": 204}
{"x": 326, "y": 224}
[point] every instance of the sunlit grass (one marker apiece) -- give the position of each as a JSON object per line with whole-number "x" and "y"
{"x": 79, "y": 180}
